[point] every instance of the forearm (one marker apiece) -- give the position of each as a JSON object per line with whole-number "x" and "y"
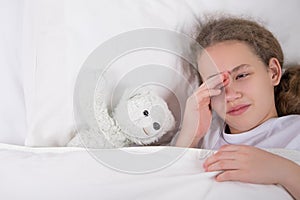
{"x": 292, "y": 180}
{"x": 185, "y": 139}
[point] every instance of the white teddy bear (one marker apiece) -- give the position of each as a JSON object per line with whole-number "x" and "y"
{"x": 141, "y": 117}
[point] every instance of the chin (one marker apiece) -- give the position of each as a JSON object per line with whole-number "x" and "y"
{"x": 240, "y": 126}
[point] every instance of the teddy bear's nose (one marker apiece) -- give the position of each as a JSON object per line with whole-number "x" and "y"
{"x": 156, "y": 126}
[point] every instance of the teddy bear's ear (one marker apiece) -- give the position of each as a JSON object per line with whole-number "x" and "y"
{"x": 133, "y": 93}
{"x": 126, "y": 95}
{"x": 143, "y": 90}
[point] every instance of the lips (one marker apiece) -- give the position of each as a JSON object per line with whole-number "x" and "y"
{"x": 238, "y": 110}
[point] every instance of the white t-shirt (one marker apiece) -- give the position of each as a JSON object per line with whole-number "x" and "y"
{"x": 282, "y": 132}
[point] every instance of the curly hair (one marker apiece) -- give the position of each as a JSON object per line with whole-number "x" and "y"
{"x": 287, "y": 93}
{"x": 261, "y": 41}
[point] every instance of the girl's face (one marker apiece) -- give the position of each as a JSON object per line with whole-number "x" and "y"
{"x": 247, "y": 100}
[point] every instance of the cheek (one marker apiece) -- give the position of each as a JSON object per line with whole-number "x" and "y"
{"x": 258, "y": 90}
{"x": 264, "y": 97}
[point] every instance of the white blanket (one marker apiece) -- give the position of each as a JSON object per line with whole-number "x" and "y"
{"x": 74, "y": 173}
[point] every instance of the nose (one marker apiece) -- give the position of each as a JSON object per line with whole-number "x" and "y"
{"x": 231, "y": 94}
{"x": 156, "y": 126}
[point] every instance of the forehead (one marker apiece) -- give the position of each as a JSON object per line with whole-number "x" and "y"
{"x": 225, "y": 56}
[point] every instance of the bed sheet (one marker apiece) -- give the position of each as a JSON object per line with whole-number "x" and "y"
{"x": 72, "y": 173}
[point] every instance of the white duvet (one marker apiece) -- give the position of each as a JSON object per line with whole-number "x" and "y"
{"x": 74, "y": 173}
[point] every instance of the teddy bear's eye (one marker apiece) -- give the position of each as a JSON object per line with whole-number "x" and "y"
{"x": 146, "y": 113}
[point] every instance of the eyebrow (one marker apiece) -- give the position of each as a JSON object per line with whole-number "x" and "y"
{"x": 235, "y": 69}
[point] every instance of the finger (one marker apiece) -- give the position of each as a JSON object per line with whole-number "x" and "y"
{"x": 229, "y": 175}
{"x": 204, "y": 87}
{"x": 223, "y": 165}
{"x": 226, "y": 80}
{"x": 214, "y": 80}
{"x": 220, "y": 155}
{"x": 206, "y": 93}
{"x": 202, "y": 98}
{"x": 218, "y": 80}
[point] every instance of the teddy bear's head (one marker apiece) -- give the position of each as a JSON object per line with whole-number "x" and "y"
{"x": 143, "y": 116}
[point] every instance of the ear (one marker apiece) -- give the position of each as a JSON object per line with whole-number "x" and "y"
{"x": 274, "y": 71}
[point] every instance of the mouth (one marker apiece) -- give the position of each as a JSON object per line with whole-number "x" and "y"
{"x": 145, "y": 131}
{"x": 238, "y": 110}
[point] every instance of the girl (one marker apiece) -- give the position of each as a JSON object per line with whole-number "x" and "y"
{"x": 240, "y": 66}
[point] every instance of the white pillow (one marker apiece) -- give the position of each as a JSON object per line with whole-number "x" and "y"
{"x": 12, "y": 109}
{"x": 65, "y": 40}
{"x": 65, "y": 33}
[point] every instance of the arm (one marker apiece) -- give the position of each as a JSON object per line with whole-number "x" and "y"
{"x": 253, "y": 165}
{"x": 197, "y": 115}
{"x": 292, "y": 180}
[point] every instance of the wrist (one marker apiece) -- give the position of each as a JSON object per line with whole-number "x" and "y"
{"x": 186, "y": 139}
{"x": 291, "y": 179}
{"x": 291, "y": 176}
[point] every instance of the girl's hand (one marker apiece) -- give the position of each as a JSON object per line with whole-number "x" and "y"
{"x": 248, "y": 164}
{"x": 197, "y": 115}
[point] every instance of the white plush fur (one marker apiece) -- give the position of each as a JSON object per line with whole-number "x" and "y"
{"x": 141, "y": 117}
